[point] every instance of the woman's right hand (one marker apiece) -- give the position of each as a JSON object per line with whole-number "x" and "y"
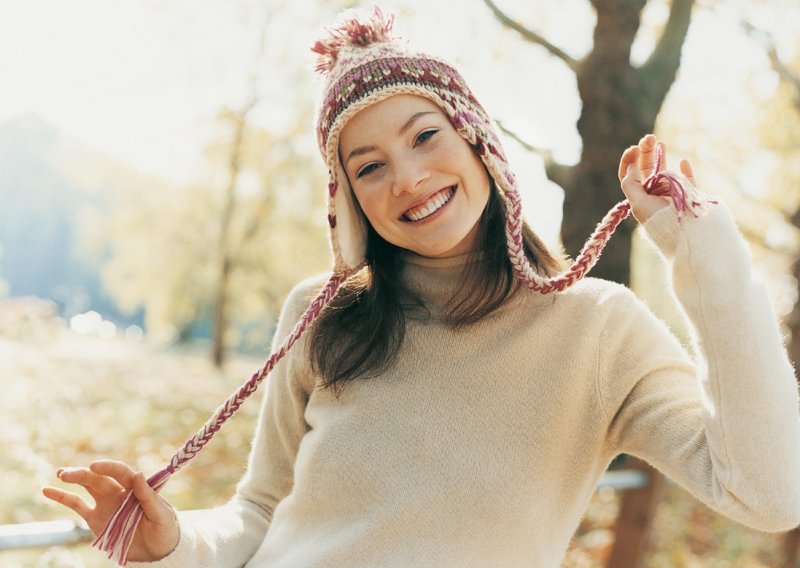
{"x": 108, "y": 482}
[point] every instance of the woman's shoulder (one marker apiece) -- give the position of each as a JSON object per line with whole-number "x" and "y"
{"x": 304, "y": 292}
{"x": 612, "y": 303}
{"x": 308, "y": 288}
{"x": 300, "y": 297}
{"x": 599, "y": 291}
{"x": 588, "y": 293}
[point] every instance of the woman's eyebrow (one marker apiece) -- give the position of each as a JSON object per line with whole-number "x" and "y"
{"x": 358, "y": 152}
{"x": 408, "y": 124}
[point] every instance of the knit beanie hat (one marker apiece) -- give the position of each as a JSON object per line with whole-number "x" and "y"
{"x": 363, "y": 65}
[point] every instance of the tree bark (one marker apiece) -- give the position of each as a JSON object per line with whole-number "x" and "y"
{"x": 620, "y": 103}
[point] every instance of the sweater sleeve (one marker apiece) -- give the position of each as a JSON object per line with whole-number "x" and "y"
{"x": 229, "y": 535}
{"x": 726, "y": 426}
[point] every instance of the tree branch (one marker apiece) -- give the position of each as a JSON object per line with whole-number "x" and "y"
{"x": 531, "y": 36}
{"x": 784, "y": 72}
{"x": 545, "y": 153}
{"x": 559, "y": 174}
{"x": 665, "y": 58}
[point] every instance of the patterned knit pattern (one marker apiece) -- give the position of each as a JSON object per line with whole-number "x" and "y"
{"x": 385, "y": 73}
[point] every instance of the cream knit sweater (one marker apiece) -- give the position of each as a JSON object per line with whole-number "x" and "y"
{"x": 481, "y": 447}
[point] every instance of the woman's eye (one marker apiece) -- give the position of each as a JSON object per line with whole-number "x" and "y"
{"x": 426, "y": 135}
{"x": 368, "y": 169}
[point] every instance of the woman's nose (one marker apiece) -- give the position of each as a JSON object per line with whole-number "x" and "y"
{"x": 409, "y": 177}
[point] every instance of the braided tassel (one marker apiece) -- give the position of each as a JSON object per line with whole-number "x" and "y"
{"x": 685, "y": 197}
{"x": 118, "y": 534}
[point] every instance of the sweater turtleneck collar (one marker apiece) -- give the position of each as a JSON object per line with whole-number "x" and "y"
{"x": 434, "y": 280}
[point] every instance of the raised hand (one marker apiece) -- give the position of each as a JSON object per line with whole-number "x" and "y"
{"x": 636, "y": 163}
{"x": 108, "y": 482}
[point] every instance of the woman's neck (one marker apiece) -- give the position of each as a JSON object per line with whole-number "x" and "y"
{"x": 434, "y": 281}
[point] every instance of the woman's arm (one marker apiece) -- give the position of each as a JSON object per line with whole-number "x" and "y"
{"x": 231, "y": 534}
{"x": 726, "y": 427}
{"x": 224, "y": 536}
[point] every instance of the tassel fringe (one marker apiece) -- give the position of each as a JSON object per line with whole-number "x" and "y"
{"x": 685, "y": 198}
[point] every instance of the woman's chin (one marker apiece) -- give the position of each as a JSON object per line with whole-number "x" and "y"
{"x": 446, "y": 250}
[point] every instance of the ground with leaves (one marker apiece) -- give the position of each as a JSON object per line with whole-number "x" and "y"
{"x": 68, "y": 399}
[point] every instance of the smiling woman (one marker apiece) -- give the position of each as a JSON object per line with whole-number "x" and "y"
{"x": 457, "y": 398}
{"x": 419, "y": 183}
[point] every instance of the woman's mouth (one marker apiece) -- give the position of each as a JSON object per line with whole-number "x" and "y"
{"x": 431, "y": 206}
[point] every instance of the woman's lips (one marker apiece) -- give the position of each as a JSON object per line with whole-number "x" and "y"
{"x": 431, "y": 206}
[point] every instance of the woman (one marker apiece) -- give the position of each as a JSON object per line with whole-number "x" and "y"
{"x": 441, "y": 414}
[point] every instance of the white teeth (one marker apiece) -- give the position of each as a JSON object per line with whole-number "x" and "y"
{"x": 431, "y": 206}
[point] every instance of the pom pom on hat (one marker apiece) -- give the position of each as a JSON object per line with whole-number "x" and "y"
{"x": 352, "y": 33}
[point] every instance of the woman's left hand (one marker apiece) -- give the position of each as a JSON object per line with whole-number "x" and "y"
{"x": 635, "y": 165}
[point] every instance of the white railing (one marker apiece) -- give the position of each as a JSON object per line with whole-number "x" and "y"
{"x": 58, "y": 533}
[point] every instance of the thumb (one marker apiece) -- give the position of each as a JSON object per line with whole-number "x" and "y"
{"x": 632, "y": 175}
{"x": 153, "y": 507}
{"x": 632, "y": 183}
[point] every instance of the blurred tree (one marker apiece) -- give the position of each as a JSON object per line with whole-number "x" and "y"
{"x": 271, "y": 234}
{"x": 238, "y": 122}
{"x": 282, "y": 173}
{"x": 620, "y": 103}
{"x": 221, "y": 254}
{"x": 164, "y": 242}
{"x": 781, "y": 134}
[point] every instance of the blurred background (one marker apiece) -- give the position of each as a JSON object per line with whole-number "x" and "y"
{"x": 161, "y": 191}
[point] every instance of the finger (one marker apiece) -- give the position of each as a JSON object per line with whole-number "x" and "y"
{"x": 688, "y": 171}
{"x": 120, "y": 471}
{"x": 153, "y": 507}
{"x": 629, "y": 157}
{"x": 95, "y": 484}
{"x": 71, "y": 500}
{"x": 632, "y": 176}
{"x": 647, "y": 156}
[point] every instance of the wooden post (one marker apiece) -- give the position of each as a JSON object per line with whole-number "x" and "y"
{"x": 637, "y": 509}
{"x": 791, "y": 547}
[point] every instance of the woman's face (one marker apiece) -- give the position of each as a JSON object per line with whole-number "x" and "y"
{"x": 419, "y": 183}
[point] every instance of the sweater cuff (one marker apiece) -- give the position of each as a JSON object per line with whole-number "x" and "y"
{"x": 662, "y": 228}
{"x": 180, "y": 555}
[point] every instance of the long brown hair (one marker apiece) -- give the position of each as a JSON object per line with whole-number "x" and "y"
{"x": 360, "y": 332}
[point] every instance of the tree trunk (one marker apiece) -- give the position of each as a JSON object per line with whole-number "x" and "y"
{"x": 226, "y": 262}
{"x": 220, "y": 313}
{"x": 637, "y": 509}
{"x": 620, "y": 105}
